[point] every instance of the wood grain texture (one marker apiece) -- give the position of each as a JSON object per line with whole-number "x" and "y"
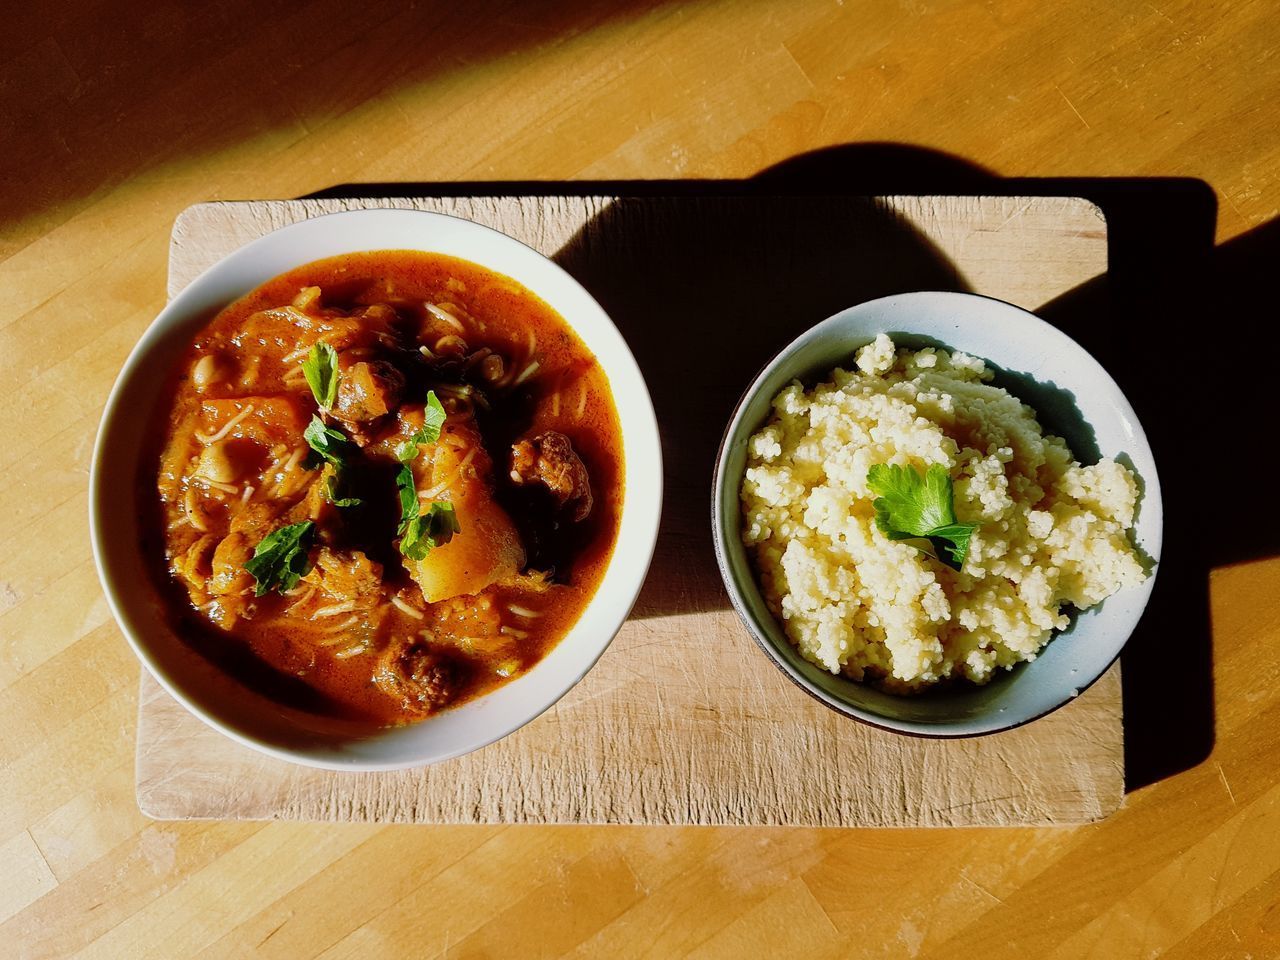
{"x": 684, "y": 721}
{"x": 116, "y": 117}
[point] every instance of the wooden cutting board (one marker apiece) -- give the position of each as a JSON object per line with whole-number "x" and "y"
{"x": 684, "y": 720}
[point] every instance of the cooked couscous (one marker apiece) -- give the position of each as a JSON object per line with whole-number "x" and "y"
{"x": 1049, "y": 532}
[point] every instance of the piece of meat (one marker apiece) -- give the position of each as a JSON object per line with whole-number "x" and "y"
{"x": 256, "y": 520}
{"x": 421, "y": 680}
{"x": 367, "y": 390}
{"x": 346, "y": 574}
{"x": 549, "y": 459}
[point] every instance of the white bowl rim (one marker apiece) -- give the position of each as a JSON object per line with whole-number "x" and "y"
{"x": 642, "y": 472}
{"x": 1152, "y": 496}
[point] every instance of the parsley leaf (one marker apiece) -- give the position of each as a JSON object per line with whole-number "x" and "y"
{"x": 321, "y": 370}
{"x": 331, "y": 445}
{"x": 419, "y": 532}
{"x": 408, "y": 498}
{"x": 331, "y": 493}
{"x": 328, "y": 443}
{"x": 432, "y": 529}
{"x": 910, "y": 505}
{"x": 280, "y": 559}
{"x": 433, "y": 419}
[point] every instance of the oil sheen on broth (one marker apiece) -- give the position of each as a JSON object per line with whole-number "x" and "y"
{"x": 354, "y": 623}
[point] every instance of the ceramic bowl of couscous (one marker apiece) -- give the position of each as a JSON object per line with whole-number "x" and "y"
{"x": 938, "y": 514}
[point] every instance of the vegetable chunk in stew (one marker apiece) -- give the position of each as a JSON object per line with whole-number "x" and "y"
{"x": 389, "y": 480}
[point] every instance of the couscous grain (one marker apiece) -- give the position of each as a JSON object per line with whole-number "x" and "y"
{"x": 1051, "y": 532}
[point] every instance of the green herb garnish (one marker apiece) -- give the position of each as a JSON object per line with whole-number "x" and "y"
{"x": 910, "y": 505}
{"x": 433, "y": 417}
{"x": 329, "y": 444}
{"x": 432, "y": 529}
{"x": 408, "y": 498}
{"x": 331, "y": 493}
{"x": 419, "y": 532}
{"x": 280, "y": 560}
{"x": 321, "y": 371}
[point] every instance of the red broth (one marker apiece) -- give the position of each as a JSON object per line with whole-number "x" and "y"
{"x": 529, "y": 460}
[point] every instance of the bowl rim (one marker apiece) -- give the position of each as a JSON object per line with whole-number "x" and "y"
{"x": 642, "y": 476}
{"x": 736, "y": 591}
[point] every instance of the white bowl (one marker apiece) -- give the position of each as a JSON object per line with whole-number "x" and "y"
{"x": 1073, "y": 396}
{"x": 255, "y": 720}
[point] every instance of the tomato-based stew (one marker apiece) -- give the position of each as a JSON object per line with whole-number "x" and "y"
{"x": 390, "y": 482}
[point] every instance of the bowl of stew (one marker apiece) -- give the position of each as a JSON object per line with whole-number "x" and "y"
{"x": 375, "y": 490}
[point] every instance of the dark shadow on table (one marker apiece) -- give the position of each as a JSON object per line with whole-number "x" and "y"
{"x": 690, "y": 302}
{"x": 706, "y": 291}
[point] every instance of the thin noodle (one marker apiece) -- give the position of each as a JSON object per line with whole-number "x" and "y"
{"x": 307, "y": 594}
{"x": 227, "y": 428}
{"x": 248, "y": 493}
{"x": 281, "y": 487}
{"x": 334, "y": 609}
{"x": 446, "y": 316}
{"x": 523, "y": 612}
{"x": 582, "y": 402}
{"x": 408, "y": 608}
{"x": 344, "y": 625}
{"x": 555, "y": 404}
{"x": 444, "y": 485}
{"x": 513, "y": 632}
{"x": 526, "y": 373}
{"x": 533, "y": 343}
{"x": 299, "y": 353}
{"x": 228, "y": 488}
{"x": 355, "y": 651}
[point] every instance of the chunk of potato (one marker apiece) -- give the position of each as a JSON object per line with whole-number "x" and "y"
{"x": 487, "y": 549}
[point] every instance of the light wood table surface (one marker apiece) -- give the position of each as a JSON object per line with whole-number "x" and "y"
{"x": 113, "y": 118}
